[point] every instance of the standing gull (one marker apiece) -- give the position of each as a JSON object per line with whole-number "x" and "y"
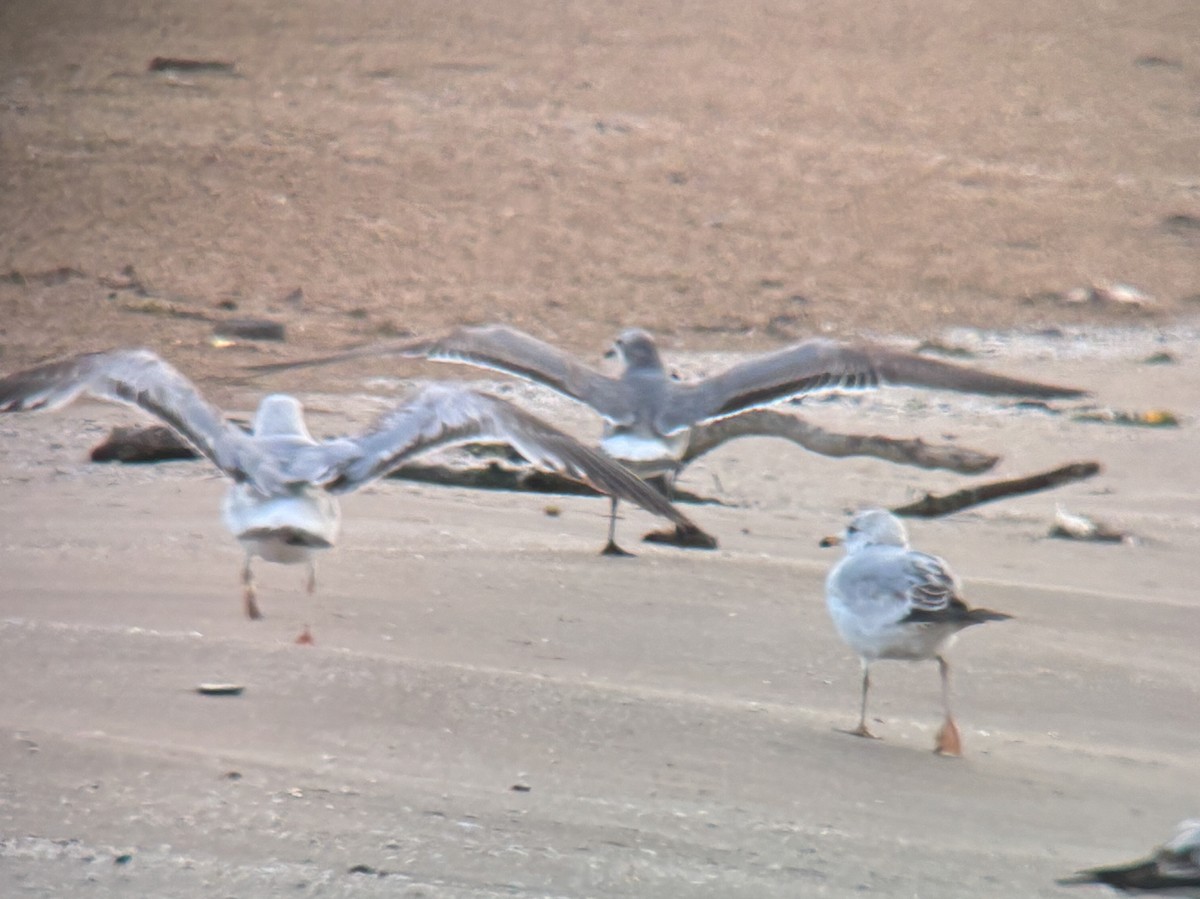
{"x": 650, "y": 418}
{"x": 1173, "y": 869}
{"x": 891, "y": 602}
{"x": 281, "y": 505}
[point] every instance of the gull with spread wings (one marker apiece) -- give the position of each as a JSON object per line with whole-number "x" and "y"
{"x": 282, "y": 504}
{"x": 651, "y": 418}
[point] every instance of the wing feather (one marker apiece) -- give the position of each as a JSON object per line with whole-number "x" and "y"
{"x": 440, "y": 414}
{"x": 504, "y": 349}
{"x": 136, "y": 377}
{"x": 821, "y": 364}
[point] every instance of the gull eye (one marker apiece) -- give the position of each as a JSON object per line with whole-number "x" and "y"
{"x": 852, "y": 530}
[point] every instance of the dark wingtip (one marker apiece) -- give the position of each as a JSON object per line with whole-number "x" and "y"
{"x": 266, "y": 368}
{"x": 413, "y": 349}
{"x": 1077, "y": 879}
{"x": 1065, "y": 393}
{"x": 1033, "y": 390}
{"x": 988, "y": 615}
{"x": 897, "y": 367}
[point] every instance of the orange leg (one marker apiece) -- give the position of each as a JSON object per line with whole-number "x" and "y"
{"x": 949, "y": 741}
{"x": 306, "y": 637}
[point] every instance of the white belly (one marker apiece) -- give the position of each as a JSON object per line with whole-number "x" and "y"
{"x": 882, "y": 639}
{"x": 647, "y": 454}
{"x": 285, "y": 529}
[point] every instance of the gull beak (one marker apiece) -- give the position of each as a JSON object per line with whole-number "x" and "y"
{"x": 827, "y": 542}
{"x": 611, "y": 353}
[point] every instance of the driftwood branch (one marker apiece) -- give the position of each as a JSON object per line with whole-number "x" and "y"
{"x": 932, "y": 506}
{"x": 682, "y": 536}
{"x": 135, "y": 444}
{"x": 493, "y": 475}
{"x": 138, "y": 444}
{"x": 770, "y": 423}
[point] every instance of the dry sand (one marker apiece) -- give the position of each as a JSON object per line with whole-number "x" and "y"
{"x": 730, "y": 175}
{"x": 727, "y": 174}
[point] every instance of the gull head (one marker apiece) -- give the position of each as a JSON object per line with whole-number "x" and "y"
{"x": 636, "y": 348}
{"x": 280, "y": 415}
{"x": 871, "y": 527}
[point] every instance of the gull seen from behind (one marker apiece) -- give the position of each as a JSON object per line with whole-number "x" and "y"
{"x": 891, "y": 602}
{"x": 282, "y": 504}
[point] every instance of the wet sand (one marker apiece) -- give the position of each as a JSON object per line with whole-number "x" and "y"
{"x": 491, "y": 709}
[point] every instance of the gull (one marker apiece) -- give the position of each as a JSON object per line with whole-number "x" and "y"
{"x": 650, "y": 418}
{"x": 1173, "y": 869}
{"x": 282, "y": 506}
{"x": 891, "y": 602}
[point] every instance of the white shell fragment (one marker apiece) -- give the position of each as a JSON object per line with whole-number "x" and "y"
{"x": 1071, "y": 526}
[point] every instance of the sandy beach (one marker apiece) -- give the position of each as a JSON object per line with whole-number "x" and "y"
{"x": 491, "y": 709}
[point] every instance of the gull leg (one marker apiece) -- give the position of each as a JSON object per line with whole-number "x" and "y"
{"x": 306, "y": 637}
{"x": 611, "y": 548}
{"x": 248, "y": 595}
{"x": 861, "y": 730}
{"x": 949, "y": 741}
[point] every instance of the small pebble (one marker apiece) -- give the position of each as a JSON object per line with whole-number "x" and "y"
{"x": 220, "y": 689}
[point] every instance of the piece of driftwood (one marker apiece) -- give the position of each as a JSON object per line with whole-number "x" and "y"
{"x": 250, "y": 329}
{"x": 493, "y": 475}
{"x": 136, "y": 444}
{"x": 932, "y": 506}
{"x": 176, "y": 64}
{"x": 1073, "y": 526}
{"x": 684, "y": 537}
{"x": 770, "y": 423}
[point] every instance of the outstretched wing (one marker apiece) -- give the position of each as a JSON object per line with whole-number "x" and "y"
{"x": 138, "y": 378}
{"x": 503, "y": 349}
{"x": 440, "y": 414}
{"x": 821, "y": 364}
